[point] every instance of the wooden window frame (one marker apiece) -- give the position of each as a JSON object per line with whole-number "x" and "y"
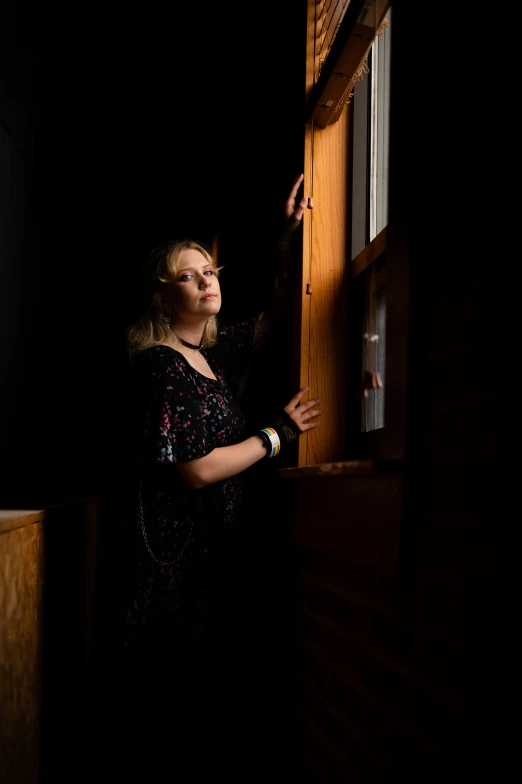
{"x": 322, "y": 314}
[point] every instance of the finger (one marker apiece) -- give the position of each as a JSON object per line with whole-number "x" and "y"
{"x": 296, "y": 398}
{"x": 312, "y": 414}
{"x": 308, "y": 427}
{"x": 301, "y": 208}
{"x": 295, "y": 186}
{"x": 305, "y": 406}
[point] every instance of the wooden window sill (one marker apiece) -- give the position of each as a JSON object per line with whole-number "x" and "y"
{"x": 347, "y": 469}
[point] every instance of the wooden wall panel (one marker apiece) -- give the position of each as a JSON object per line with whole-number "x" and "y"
{"x": 355, "y": 520}
{"x": 324, "y": 355}
{"x": 302, "y": 327}
{"x": 391, "y": 672}
{"x": 21, "y": 598}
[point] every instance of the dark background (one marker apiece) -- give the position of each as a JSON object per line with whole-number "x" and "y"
{"x": 122, "y": 126}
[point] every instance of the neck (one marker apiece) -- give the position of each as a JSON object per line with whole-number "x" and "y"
{"x": 189, "y": 345}
{"x": 191, "y": 338}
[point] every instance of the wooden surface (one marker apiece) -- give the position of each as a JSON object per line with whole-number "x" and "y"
{"x": 328, "y": 272}
{"x": 356, "y": 520}
{"x": 351, "y": 44}
{"x": 370, "y": 253}
{"x": 346, "y": 468}
{"x": 18, "y": 518}
{"x": 21, "y": 599}
{"x": 303, "y": 327}
{"x": 302, "y": 324}
{"x": 322, "y": 329}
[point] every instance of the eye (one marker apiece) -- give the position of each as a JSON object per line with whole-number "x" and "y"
{"x": 209, "y": 272}
{"x": 185, "y": 277}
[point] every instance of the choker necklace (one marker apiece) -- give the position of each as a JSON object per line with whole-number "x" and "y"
{"x": 189, "y": 345}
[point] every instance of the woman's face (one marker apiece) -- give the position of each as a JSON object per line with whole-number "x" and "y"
{"x": 194, "y": 294}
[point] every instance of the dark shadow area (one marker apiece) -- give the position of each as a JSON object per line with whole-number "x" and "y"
{"x": 122, "y": 128}
{"x": 134, "y": 128}
{"x": 64, "y": 640}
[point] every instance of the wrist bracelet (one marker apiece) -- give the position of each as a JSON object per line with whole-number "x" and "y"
{"x": 265, "y": 441}
{"x": 274, "y": 440}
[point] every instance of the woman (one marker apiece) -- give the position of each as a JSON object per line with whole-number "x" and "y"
{"x": 176, "y": 578}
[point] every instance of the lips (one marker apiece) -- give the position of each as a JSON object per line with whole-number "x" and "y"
{"x": 209, "y": 296}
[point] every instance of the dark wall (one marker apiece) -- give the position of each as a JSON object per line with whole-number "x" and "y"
{"x": 121, "y": 128}
{"x": 20, "y": 50}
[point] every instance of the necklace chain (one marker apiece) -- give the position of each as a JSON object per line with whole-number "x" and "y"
{"x": 142, "y": 521}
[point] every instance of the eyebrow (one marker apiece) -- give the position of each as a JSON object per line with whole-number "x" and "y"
{"x": 192, "y": 269}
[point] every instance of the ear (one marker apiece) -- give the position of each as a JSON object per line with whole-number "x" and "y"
{"x": 161, "y": 300}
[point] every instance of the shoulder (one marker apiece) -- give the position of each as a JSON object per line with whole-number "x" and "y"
{"x": 158, "y": 362}
{"x": 241, "y": 332}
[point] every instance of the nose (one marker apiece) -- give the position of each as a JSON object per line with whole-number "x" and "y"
{"x": 204, "y": 283}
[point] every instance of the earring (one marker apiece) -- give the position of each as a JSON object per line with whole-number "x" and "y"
{"x": 211, "y": 319}
{"x": 166, "y": 319}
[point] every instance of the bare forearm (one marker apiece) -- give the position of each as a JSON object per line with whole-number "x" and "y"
{"x": 222, "y": 463}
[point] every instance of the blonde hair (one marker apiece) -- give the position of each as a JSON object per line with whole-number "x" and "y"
{"x": 150, "y": 328}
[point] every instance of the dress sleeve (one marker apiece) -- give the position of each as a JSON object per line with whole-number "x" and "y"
{"x": 174, "y": 422}
{"x": 237, "y": 339}
{"x": 235, "y": 345}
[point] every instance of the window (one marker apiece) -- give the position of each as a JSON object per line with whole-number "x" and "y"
{"x": 344, "y": 300}
{"x": 369, "y": 147}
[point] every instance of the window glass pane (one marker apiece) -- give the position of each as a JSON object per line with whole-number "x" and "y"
{"x": 370, "y": 143}
{"x": 369, "y": 213}
{"x": 360, "y": 158}
{"x": 374, "y": 344}
{"x": 380, "y": 127}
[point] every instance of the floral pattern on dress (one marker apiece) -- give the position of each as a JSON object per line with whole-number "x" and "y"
{"x": 182, "y": 415}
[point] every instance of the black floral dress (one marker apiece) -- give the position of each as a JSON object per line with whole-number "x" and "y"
{"x": 174, "y": 549}
{"x": 173, "y": 641}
